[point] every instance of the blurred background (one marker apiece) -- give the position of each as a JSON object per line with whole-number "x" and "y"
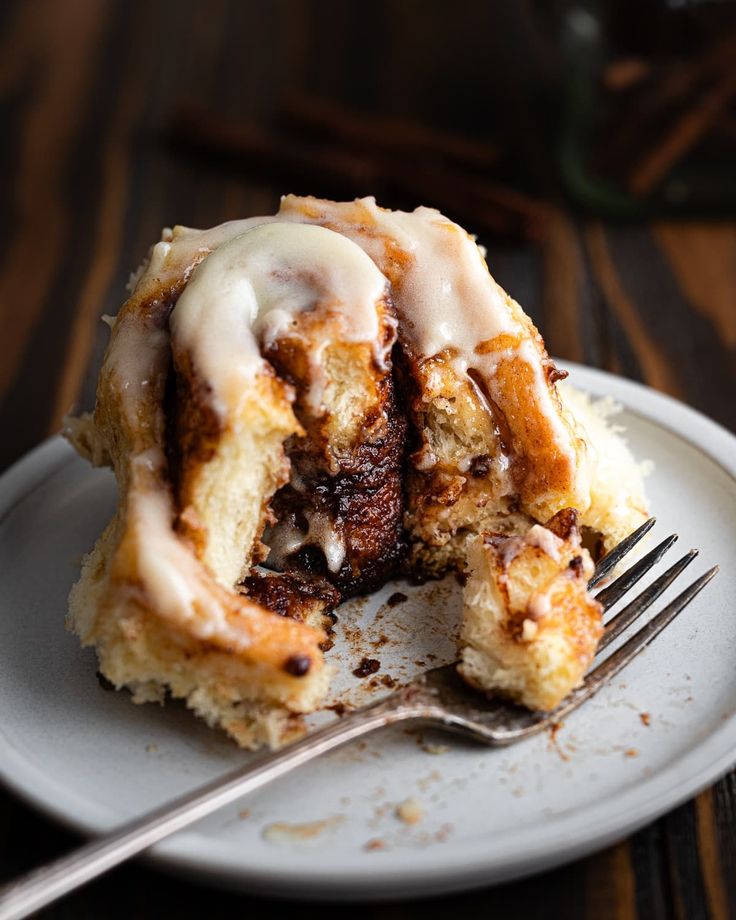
{"x": 590, "y": 145}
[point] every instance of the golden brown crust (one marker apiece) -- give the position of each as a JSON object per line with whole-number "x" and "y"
{"x": 545, "y": 477}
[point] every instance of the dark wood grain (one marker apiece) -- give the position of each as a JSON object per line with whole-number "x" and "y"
{"x": 87, "y": 92}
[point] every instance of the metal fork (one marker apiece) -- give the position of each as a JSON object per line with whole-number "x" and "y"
{"x": 437, "y": 697}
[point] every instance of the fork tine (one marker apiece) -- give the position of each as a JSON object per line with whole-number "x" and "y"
{"x": 616, "y": 662}
{"x": 640, "y": 640}
{"x": 614, "y": 592}
{"x": 644, "y": 601}
{"x": 612, "y": 559}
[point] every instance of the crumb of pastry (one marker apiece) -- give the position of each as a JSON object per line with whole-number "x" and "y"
{"x": 282, "y": 832}
{"x": 531, "y": 628}
{"x": 410, "y": 811}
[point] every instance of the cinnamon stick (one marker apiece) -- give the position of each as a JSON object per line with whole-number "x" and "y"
{"x": 467, "y": 197}
{"x": 681, "y": 137}
{"x": 663, "y": 96}
{"x": 397, "y": 136}
{"x": 245, "y": 143}
{"x": 625, "y": 73}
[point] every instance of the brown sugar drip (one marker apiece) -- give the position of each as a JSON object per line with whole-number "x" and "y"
{"x": 367, "y": 667}
{"x": 398, "y": 597}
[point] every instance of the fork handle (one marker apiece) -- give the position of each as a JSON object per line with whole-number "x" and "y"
{"x": 44, "y": 885}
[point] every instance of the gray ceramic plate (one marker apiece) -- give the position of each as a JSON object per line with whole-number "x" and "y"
{"x": 92, "y": 759}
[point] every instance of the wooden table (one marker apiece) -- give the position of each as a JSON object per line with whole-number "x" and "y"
{"x": 86, "y": 91}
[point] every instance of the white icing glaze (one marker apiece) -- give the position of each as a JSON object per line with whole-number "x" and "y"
{"x": 539, "y": 605}
{"x": 536, "y": 536}
{"x": 236, "y": 295}
{"x": 444, "y": 294}
{"x": 286, "y": 538}
{"x": 165, "y": 572}
{"x": 283, "y": 540}
{"x": 323, "y": 533}
{"x": 509, "y": 550}
{"x": 446, "y": 297}
{"x": 171, "y": 581}
{"x": 544, "y": 539}
{"x": 251, "y": 290}
{"x": 183, "y": 247}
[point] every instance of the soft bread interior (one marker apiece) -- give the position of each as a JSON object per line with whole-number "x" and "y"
{"x": 228, "y": 477}
{"x": 530, "y": 628}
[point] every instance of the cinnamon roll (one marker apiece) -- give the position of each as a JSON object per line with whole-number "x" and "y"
{"x": 298, "y": 407}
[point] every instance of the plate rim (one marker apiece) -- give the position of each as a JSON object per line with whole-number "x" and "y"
{"x": 380, "y": 876}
